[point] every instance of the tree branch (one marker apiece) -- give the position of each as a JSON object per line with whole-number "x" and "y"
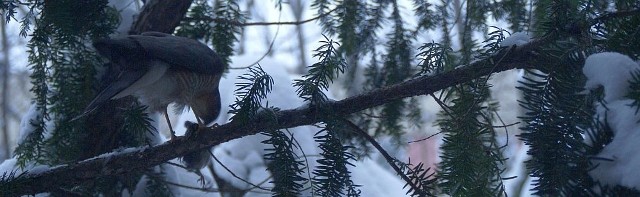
{"x": 161, "y": 15}
{"x": 390, "y": 160}
{"x": 76, "y": 173}
{"x": 238, "y": 23}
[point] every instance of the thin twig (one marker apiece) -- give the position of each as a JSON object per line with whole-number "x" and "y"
{"x": 384, "y": 153}
{"x": 238, "y": 23}
{"x": 444, "y": 106}
{"x": 486, "y": 79}
{"x": 216, "y": 190}
{"x": 506, "y": 130}
{"x": 267, "y": 52}
{"x": 426, "y": 138}
{"x": 182, "y": 185}
{"x": 506, "y": 125}
{"x": 234, "y": 174}
{"x": 306, "y": 161}
{"x": 176, "y": 165}
{"x": 260, "y": 183}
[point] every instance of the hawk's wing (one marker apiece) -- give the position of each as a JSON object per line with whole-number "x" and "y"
{"x": 133, "y": 54}
{"x": 179, "y": 51}
{"x": 117, "y": 84}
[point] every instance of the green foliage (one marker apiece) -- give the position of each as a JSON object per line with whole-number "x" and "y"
{"x": 556, "y": 112}
{"x": 68, "y": 20}
{"x": 156, "y": 185}
{"x": 282, "y": 161}
{"x": 470, "y": 156}
{"x": 492, "y": 43}
{"x": 425, "y": 15}
{"x": 352, "y": 13}
{"x": 517, "y": 14}
{"x": 9, "y": 177}
{"x": 327, "y": 22}
{"x": 423, "y": 178}
{"x": 31, "y": 148}
{"x": 214, "y": 22}
{"x": 321, "y": 74}
{"x": 196, "y": 23}
{"x": 397, "y": 63}
{"x": 62, "y": 65}
{"x": 634, "y": 86}
{"x": 137, "y": 124}
{"x": 396, "y": 67}
{"x": 331, "y": 176}
{"x": 444, "y": 16}
{"x": 224, "y": 36}
{"x": 433, "y": 58}
{"x": 72, "y": 66}
{"x": 610, "y": 32}
{"x": 250, "y": 93}
{"x": 9, "y": 10}
{"x": 613, "y": 35}
{"x": 284, "y": 164}
{"x": 355, "y": 23}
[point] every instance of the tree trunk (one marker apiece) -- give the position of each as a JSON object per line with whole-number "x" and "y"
{"x": 297, "y": 9}
{"x": 160, "y": 15}
{"x": 5, "y": 91}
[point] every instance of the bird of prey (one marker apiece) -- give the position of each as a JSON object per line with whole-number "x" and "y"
{"x": 160, "y": 69}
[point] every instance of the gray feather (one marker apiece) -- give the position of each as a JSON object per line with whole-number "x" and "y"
{"x": 182, "y": 52}
{"x": 131, "y": 56}
{"x": 124, "y": 80}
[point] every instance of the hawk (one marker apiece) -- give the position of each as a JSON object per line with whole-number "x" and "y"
{"x": 160, "y": 69}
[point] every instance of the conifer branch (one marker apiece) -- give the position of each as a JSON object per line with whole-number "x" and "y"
{"x": 613, "y": 15}
{"x": 521, "y": 57}
{"x": 384, "y": 153}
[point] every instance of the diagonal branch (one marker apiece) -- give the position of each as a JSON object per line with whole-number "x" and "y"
{"x": 383, "y": 152}
{"x": 160, "y": 15}
{"x": 76, "y": 173}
